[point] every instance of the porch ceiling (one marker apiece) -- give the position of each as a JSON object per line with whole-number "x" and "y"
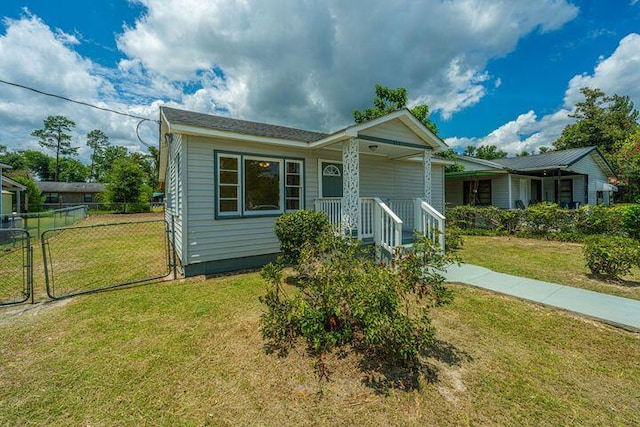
{"x": 383, "y": 149}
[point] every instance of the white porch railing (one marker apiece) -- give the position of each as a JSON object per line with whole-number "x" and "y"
{"x": 430, "y": 222}
{"x": 332, "y": 206}
{"x": 384, "y": 222}
{"x": 367, "y": 226}
{"x": 405, "y": 209}
{"x": 388, "y": 227}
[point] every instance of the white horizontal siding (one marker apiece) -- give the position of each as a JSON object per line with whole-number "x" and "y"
{"x": 500, "y": 191}
{"x": 590, "y": 167}
{"x": 211, "y": 239}
{"x": 174, "y": 216}
{"x": 437, "y": 187}
{"x": 394, "y": 131}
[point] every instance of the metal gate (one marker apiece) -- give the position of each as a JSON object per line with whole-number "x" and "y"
{"x": 91, "y": 258}
{"x": 16, "y": 262}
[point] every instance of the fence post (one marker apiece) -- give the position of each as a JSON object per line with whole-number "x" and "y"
{"x": 30, "y": 267}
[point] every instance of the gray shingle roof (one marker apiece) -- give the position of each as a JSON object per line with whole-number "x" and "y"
{"x": 70, "y": 187}
{"x": 207, "y": 121}
{"x": 550, "y": 160}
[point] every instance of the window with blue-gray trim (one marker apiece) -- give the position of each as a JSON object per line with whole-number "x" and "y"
{"x": 252, "y": 185}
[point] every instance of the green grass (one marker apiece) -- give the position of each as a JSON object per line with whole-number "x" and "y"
{"x": 551, "y": 261}
{"x": 190, "y": 353}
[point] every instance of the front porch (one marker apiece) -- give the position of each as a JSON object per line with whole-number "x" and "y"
{"x": 386, "y": 182}
{"x": 388, "y": 224}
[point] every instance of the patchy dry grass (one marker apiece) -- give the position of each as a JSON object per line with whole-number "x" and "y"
{"x": 558, "y": 262}
{"x": 191, "y": 353}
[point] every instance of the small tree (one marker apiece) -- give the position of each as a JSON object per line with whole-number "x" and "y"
{"x": 388, "y": 100}
{"x": 55, "y": 137}
{"x": 126, "y": 185}
{"x": 98, "y": 141}
{"x": 32, "y": 200}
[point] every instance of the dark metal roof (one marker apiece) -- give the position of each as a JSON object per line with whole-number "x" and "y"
{"x": 551, "y": 160}
{"x": 207, "y": 121}
{"x": 70, "y": 187}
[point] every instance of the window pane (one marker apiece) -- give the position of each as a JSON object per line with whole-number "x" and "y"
{"x": 293, "y": 192}
{"x": 228, "y": 192}
{"x": 229, "y": 163}
{"x": 293, "y": 204}
{"x": 293, "y": 167}
{"x": 262, "y": 185}
{"x": 293, "y": 180}
{"x": 228, "y": 177}
{"x": 228, "y": 205}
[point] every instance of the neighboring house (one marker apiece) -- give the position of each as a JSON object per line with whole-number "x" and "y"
{"x": 65, "y": 194}
{"x": 10, "y": 197}
{"x": 11, "y": 193}
{"x": 568, "y": 177}
{"x": 227, "y": 180}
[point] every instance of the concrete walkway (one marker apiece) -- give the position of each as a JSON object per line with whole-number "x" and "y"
{"x": 618, "y": 311}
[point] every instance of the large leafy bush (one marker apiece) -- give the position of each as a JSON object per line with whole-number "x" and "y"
{"x": 545, "y": 217}
{"x": 631, "y": 220}
{"x": 348, "y": 301}
{"x": 598, "y": 219}
{"x": 296, "y": 229}
{"x": 611, "y": 256}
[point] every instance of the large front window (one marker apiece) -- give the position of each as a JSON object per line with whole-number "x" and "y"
{"x": 262, "y": 185}
{"x": 255, "y": 185}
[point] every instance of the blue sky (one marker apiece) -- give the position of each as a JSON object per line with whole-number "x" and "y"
{"x": 493, "y": 72}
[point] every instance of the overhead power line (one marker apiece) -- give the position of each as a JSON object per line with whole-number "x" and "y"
{"x": 53, "y": 95}
{"x": 86, "y": 104}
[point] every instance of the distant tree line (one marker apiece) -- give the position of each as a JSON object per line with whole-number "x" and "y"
{"x": 130, "y": 177}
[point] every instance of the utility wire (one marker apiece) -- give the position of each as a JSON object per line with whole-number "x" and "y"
{"x": 77, "y": 102}
{"x": 142, "y": 119}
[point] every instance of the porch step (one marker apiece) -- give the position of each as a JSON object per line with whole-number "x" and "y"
{"x": 407, "y": 238}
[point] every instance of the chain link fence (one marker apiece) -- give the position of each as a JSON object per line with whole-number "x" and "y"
{"x": 38, "y": 222}
{"x": 86, "y": 259}
{"x": 16, "y": 261}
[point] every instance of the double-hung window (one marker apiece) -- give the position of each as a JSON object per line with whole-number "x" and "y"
{"x": 228, "y": 197}
{"x": 249, "y": 185}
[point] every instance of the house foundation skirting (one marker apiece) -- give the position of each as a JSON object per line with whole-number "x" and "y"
{"x": 226, "y": 265}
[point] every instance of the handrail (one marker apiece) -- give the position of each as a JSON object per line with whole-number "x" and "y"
{"x": 388, "y": 210}
{"x": 388, "y": 227}
{"x": 430, "y": 222}
{"x": 427, "y": 207}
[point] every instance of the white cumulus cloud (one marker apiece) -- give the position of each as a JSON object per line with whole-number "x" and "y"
{"x": 616, "y": 74}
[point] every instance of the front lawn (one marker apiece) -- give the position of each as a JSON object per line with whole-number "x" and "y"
{"x": 191, "y": 353}
{"x": 551, "y": 261}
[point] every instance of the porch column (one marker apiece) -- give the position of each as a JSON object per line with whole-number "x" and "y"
{"x": 351, "y": 187}
{"x": 426, "y": 167}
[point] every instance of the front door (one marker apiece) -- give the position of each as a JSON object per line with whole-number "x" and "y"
{"x": 331, "y": 179}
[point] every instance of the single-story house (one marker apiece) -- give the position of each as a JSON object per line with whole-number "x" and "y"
{"x": 568, "y": 177}
{"x": 227, "y": 180}
{"x": 66, "y": 194}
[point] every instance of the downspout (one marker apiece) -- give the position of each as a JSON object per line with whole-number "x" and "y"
{"x": 510, "y": 204}
{"x": 1, "y": 218}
